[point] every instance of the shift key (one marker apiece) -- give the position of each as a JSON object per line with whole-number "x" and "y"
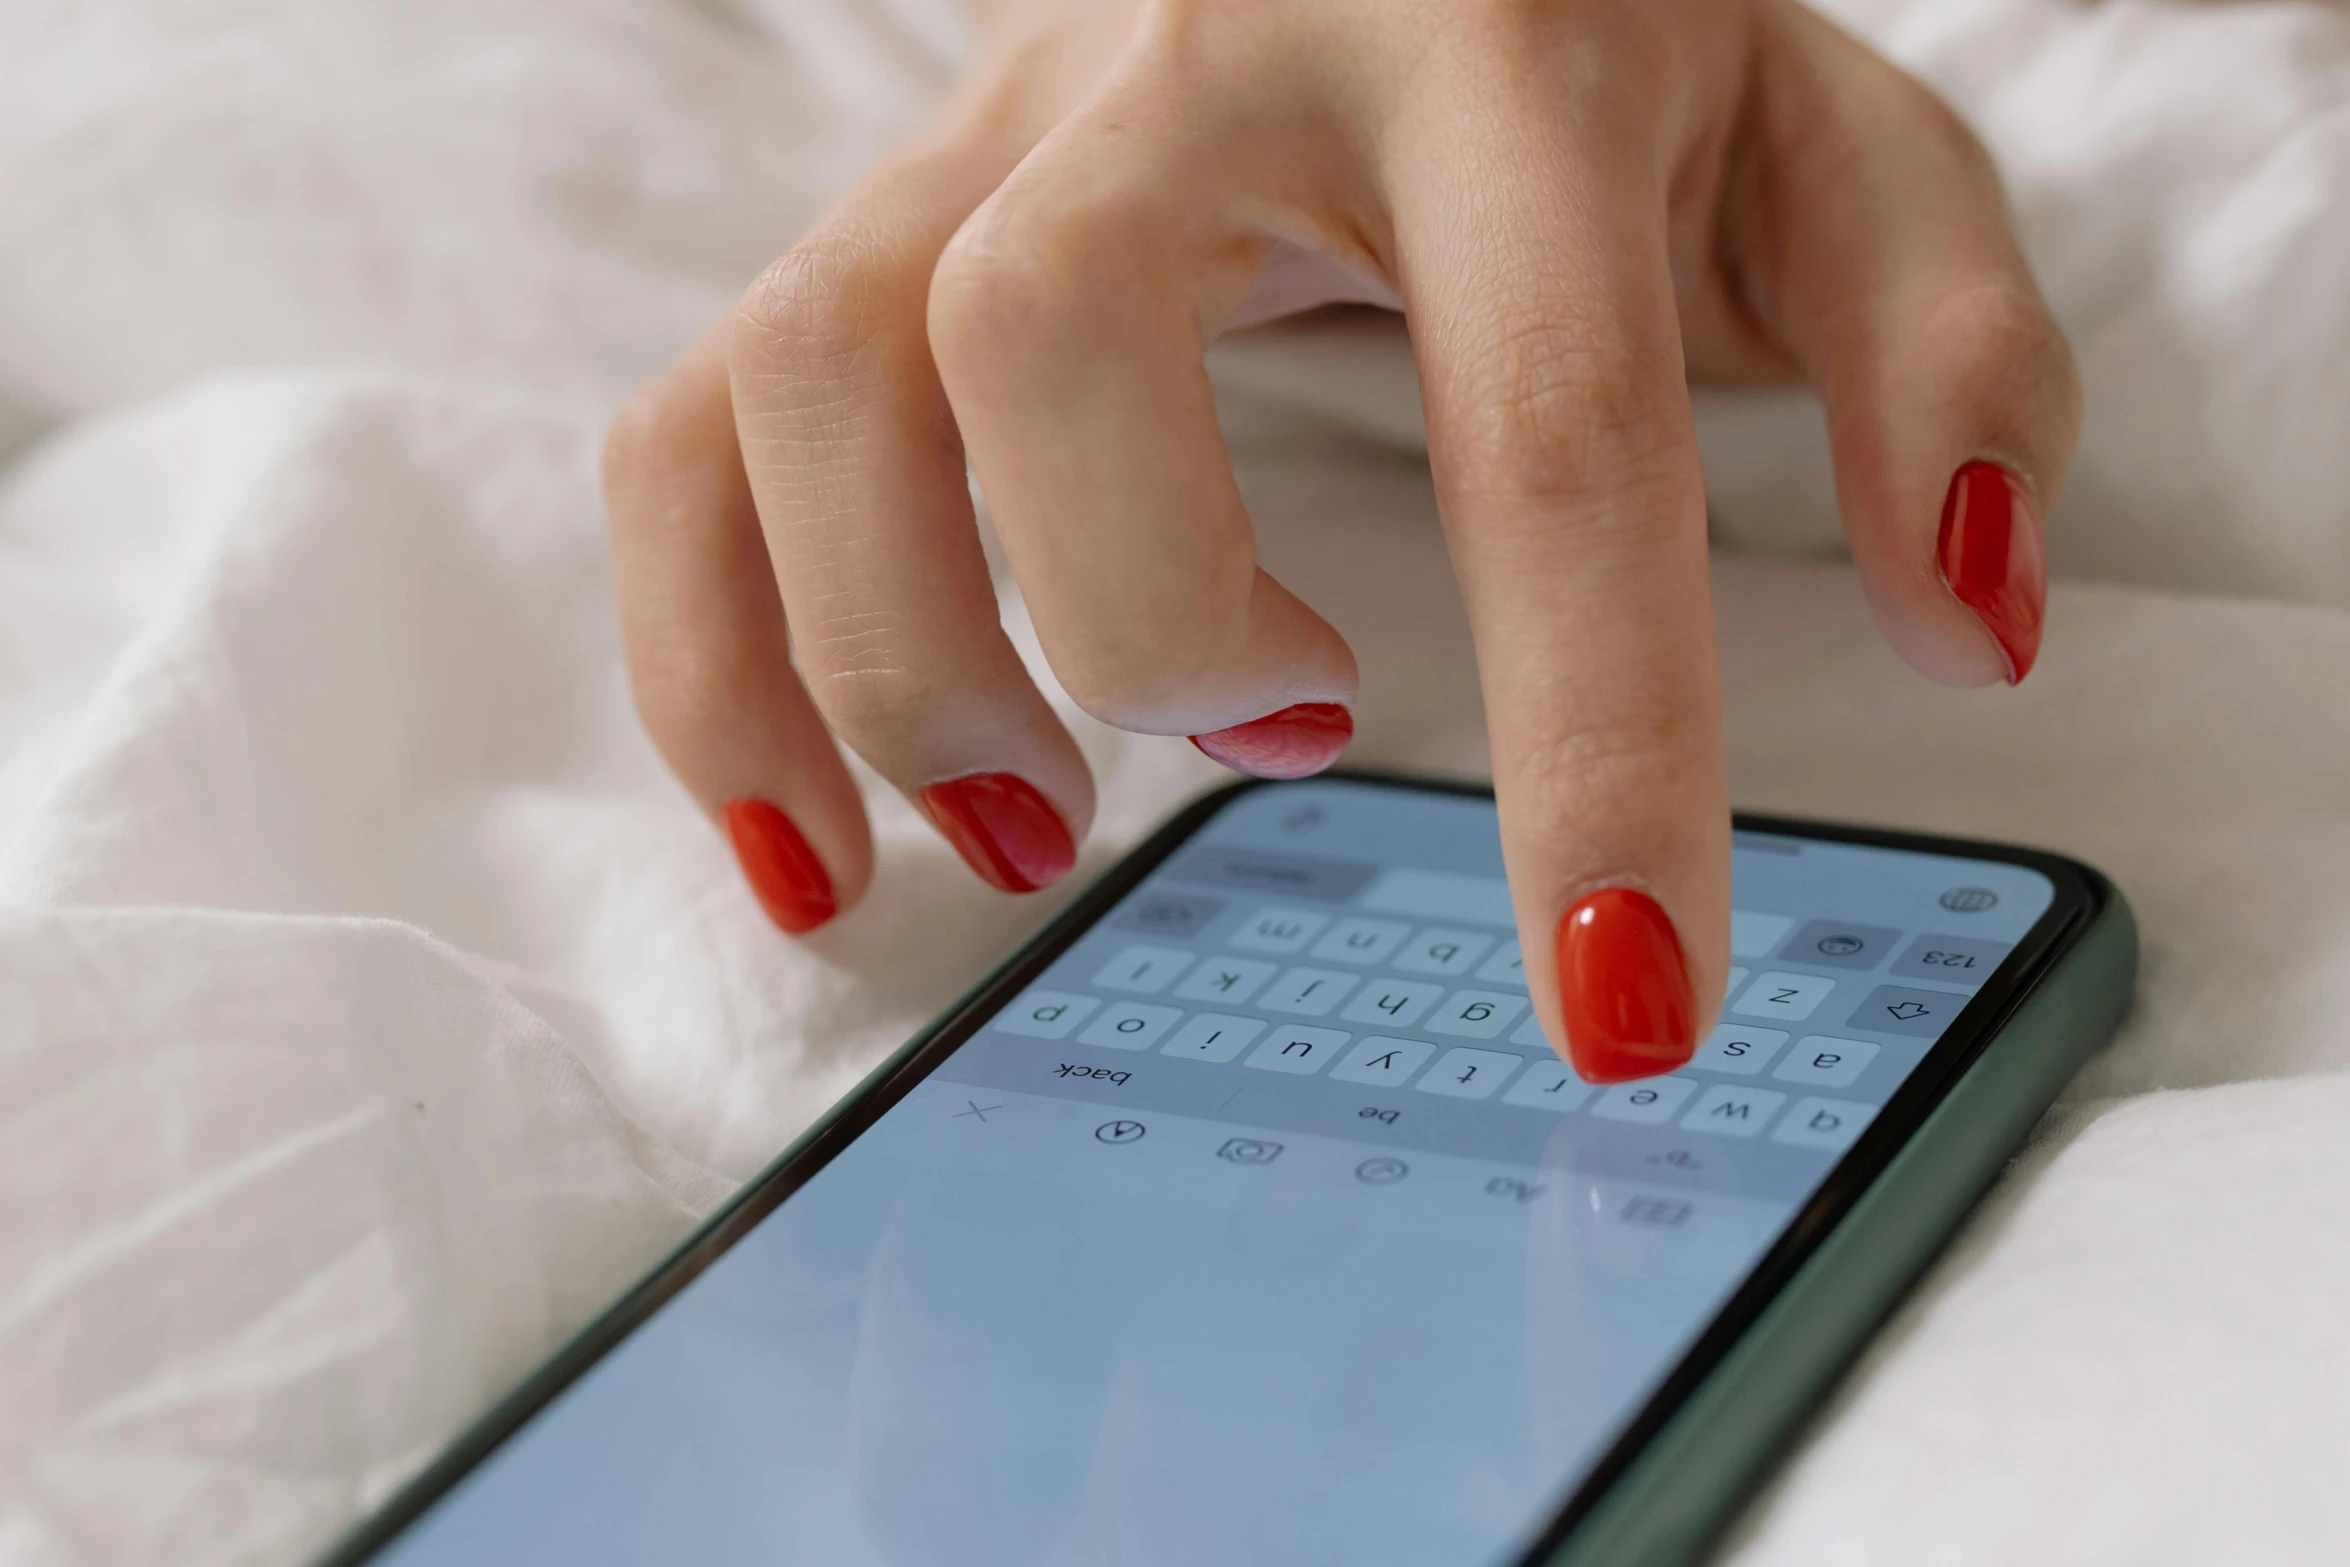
{"x": 1896, "y": 1009}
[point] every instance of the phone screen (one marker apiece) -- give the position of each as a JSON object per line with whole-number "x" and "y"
{"x": 1261, "y": 1225}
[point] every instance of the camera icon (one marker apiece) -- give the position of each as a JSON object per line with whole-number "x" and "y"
{"x": 1248, "y": 1150}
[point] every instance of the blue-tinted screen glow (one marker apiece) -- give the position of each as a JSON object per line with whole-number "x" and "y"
{"x": 1262, "y": 1228}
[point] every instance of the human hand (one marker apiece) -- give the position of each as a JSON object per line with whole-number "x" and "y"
{"x": 1580, "y": 208}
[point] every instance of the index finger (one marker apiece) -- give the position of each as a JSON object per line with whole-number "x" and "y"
{"x": 1542, "y": 310}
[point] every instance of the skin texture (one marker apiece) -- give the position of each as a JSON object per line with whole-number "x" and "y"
{"x": 1581, "y": 206}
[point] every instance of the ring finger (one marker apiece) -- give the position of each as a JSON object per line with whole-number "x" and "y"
{"x": 857, "y": 472}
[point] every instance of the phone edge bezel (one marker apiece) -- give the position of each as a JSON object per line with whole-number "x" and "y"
{"x": 2079, "y": 890}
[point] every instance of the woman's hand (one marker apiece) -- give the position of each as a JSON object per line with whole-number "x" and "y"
{"x": 1580, "y": 205}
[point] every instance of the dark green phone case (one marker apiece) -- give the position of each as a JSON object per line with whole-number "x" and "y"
{"x": 1686, "y": 1485}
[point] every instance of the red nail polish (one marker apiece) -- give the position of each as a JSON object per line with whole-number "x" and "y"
{"x": 1994, "y": 560}
{"x": 1624, "y": 988}
{"x": 1003, "y": 828}
{"x": 1296, "y": 742}
{"x": 789, "y": 881}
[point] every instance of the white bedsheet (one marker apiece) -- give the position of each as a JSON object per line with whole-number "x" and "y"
{"x": 371, "y": 1006}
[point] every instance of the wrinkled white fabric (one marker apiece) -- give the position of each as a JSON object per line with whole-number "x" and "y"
{"x": 372, "y": 1007}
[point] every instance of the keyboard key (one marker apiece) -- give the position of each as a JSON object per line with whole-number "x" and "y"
{"x": 1649, "y": 1102}
{"x": 1821, "y": 1062}
{"x": 1735, "y": 1048}
{"x": 1307, "y": 992}
{"x": 1652, "y": 1211}
{"x": 1548, "y": 1085}
{"x": 1213, "y": 1037}
{"x": 1963, "y": 960}
{"x": 1469, "y": 1074}
{"x": 1045, "y": 1014}
{"x": 1828, "y": 1124}
{"x": 1754, "y": 935}
{"x": 1788, "y": 996}
{"x": 1505, "y": 967}
{"x": 1446, "y": 952}
{"x": 1229, "y": 980}
{"x": 1263, "y": 871}
{"x": 1397, "y": 1003}
{"x": 1279, "y": 930}
{"x": 1360, "y": 940}
{"x": 1476, "y": 1014}
{"x": 1896, "y": 1009}
{"x": 1383, "y": 1063}
{"x": 1840, "y": 944}
{"x": 1292, "y": 1047}
{"x": 1730, "y": 1110}
{"x": 1737, "y": 978}
{"x": 1144, "y": 970}
{"x": 1530, "y": 1033}
{"x": 1129, "y": 1025}
{"x": 1169, "y": 915}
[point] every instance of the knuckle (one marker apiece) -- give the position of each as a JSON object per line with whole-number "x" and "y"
{"x": 657, "y": 457}
{"x": 2010, "y": 352}
{"x": 1628, "y": 54}
{"x": 688, "y": 696}
{"x": 1122, "y": 692}
{"x": 639, "y": 436}
{"x": 1186, "y": 32}
{"x": 1561, "y": 410}
{"x": 1019, "y": 276}
{"x": 818, "y": 311}
{"x": 1126, "y": 685}
{"x": 863, "y": 666}
{"x": 867, "y": 690}
{"x": 1948, "y": 127}
{"x": 1633, "y": 757}
{"x": 994, "y": 291}
{"x": 1149, "y": 661}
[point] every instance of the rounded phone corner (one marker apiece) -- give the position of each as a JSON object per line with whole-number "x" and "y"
{"x": 1685, "y": 1487}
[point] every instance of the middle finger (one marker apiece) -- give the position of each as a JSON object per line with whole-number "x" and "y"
{"x": 858, "y": 474}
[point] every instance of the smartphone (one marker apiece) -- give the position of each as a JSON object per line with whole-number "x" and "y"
{"x": 1245, "y": 1216}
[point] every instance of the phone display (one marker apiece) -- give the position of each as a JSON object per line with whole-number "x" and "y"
{"x": 1260, "y": 1224}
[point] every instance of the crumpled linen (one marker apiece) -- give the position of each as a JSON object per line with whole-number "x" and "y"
{"x": 372, "y": 1007}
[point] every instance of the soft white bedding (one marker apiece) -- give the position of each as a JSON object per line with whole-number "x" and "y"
{"x": 371, "y": 1006}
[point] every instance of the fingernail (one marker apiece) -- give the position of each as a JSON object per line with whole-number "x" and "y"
{"x": 1994, "y": 560}
{"x": 785, "y": 875}
{"x": 1296, "y": 742}
{"x": 1623, "y": 988}
{"x": 1003, "y": 829}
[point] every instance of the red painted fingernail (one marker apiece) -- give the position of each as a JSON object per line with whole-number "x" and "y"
{"x": 1296, "y": 742}
{"x": 1623, "y": 988}
{"x": 789, "y": 881}
{"x": 1003, "y": 829}
{"x": 1994, "y": 560}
